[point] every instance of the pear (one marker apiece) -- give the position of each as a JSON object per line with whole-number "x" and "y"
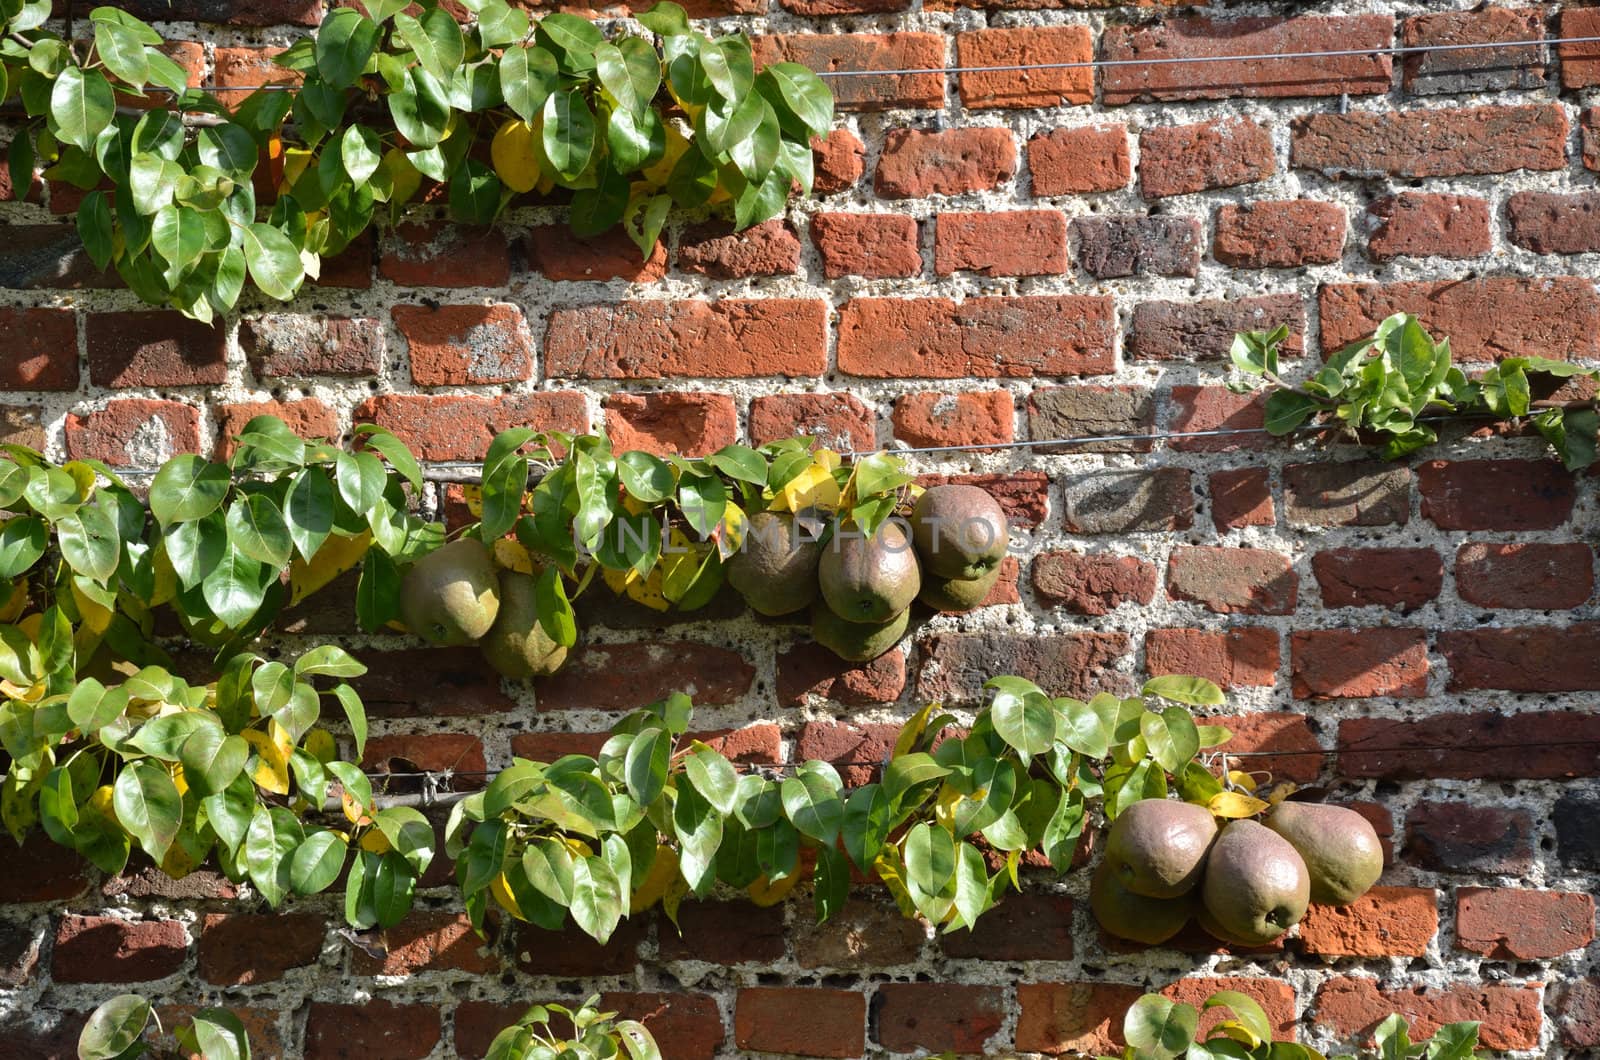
{"x": 775, "y": 569}
{"x": 856, "y": 641}
{"x": 957, "y": 594}
{"x": 960, "y": 531}
{"x": 1339, "y": 846}
{"x": 869, "y": 579}
{"x": 451, "y": 596}
{"x": 517, "y": 646}
{"x": 1256, "y": 885}
{"x": 1157, "y": 847}
{"x": 1127, "y": 915}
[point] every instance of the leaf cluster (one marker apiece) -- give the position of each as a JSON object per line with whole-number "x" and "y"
{"x": 116, "y": 1031}
{"x": 393, "y": 100}
{"x": 594, "y": 1035}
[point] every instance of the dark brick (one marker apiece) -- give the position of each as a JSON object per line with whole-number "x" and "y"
{"x": 1204, "y": 331}
{"x": 1577, "y": 821}
{"x": 955, "y": 665}
{"x": 1110, "y": 247}
{"x": 1466, "y": 838}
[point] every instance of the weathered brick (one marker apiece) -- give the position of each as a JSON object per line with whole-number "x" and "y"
{"x": 808, "y": 670}
{"x": 1203, "y": 331}
{"x": 1528, "y": 574}
{"x": 227, "y": 13}
{"x": 554, "y": 251}
{"x": 986, "y": 337}
{"x": 41, "y": 349}
{"x": 570, "y": 952}
{"x": 1548, "y": 222}
{"x": 20, "y": 950}
{"x": 1580, "y": 62}
{"x": 1577, "y": 821}
{"x": 1182, "y": 38}
{"x": 1072, "y": 1018}
{"x": 1463, "y": 837}
{"x": 429, "y": 682}
{"x": 1589, "y": 125}
{"x": 1359, "y": 663}
{"x": 246, "y": 949}
{"x": 247, "y": 67}
{"x": 863, "y": 935}
{"x": 1009, "y": 243}
{"x": 1224, "y": 153}
{"x": 1288, "y": 749}
{"x": 837, "y": 161}
{"x": 626, "y": 676}
{"x": 1520, "y": 924}
{"x": 874, "y": 245}
{"x": 836, "y": 421}
{"x": 22, "y": 425}
{"x": 723, "y": 933}
{"x": 955, "y": 665}
{"x": 1026, "y": 926}
{"x": 1401, "y": 578}
{"x": 436, "y": 254}
{"x": 804, "y": 1021}
{"x": 44, "y": 871}
{"x": 371, "y": 1028}
{"x": 865, "y": 51}
{"x": 1577, "y": 1012}
{"x": 714, "y": 249}
{"x": 1454, "y": 142}
{"x": 1235, "y": 658}
{"x": 1279, "y": 235}
{"x": 1241, "y": 497}
{"x": 107, "y": 949}
{"x": 155, "y": 348}
{"x": 1422, "y": 224}
{"x": 1523, "y": 658}
{"x": 294, "y": 345}
{"x": 434, "y": 752}
{"x": 1473, "y": 69}
{"x": 1275, "y": 997}
{"x": 917, "y": 163}
{"x": 1216, "y": 408}
{"x": 134, "y": 432}
{"x": 671, "y": 422}
{"x": 857, "y": 751}
{"x": 1536, "y": 745}
{"x": 912, "y": 1017}
{"x": 658, "y": 339}
{"x": 976, "y": 417}
{"x": 1233, "y": 580}
{"x": 307, "y": 417}
{"x": 1110, "y": 247}
{"x": 1078, "y": 161}
{"x": 1025, "y": 46}
{"x": 461, "y": 427}
{"x": 1023, "y": 495}
{"x": 1510, "y": 1015}
{"x": 463, "y": 345}
{"x": 1384, "y": 922}
{"x": 1358, "y": 493}
{"x": 1087, "y": 411}
{"x": 1496, "y": 494}
{"x": 1131, "y": 501}
{"x": 683, "y": 1025}
{"x": 49, "y": 257}
{"x": 1094, "y": 583}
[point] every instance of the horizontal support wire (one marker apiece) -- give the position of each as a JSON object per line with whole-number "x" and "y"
{"x": 1099, "y": 64}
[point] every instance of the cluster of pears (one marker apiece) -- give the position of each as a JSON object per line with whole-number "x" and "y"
{"x": 860, "y": 588}
{"x": 1245, "y": 883}
{"x": 457, "y": 595}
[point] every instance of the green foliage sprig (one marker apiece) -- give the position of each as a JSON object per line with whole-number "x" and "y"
{"x": 596, "y": 1035}
{"x": 116, "y": 1031}
{"x": 1391, "y": 384}
{"x": 202, "y": 196}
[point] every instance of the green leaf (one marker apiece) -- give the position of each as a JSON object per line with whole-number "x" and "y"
{"x": 270, "y": 842}
{"x": 114, "y": 1028}
{"x": 1286, "y": 411}
{"x": 212, "y": 759}
{"x": 361, "y": 478}
{"x": 361, "y": 152}
{"x": 228, "y": 147}
{"x": 355, "y": 713}
{"x": 804, "y": 94}
{"x": 90, "y": 542}
{"x": 714, "y": 777}
{"x": 316, "y": 863}
{"x": 148, "y": 805}
{"x": 1159, "y": 1027}
{"x": 646, "y": 477}
{"x": 187, "y": 487}
{"x": 421, "y": 108}
{"x": 1195, "y": 691}
{"x": 22, "y": 542}
{"x": 741, "y": 463}
{"x": 1246, "y": 1010}
{"x": 703, "y": 500}
{"x": 81, "y": 105}
{"x": 273, "y": 261}
{"x": 866, "y": 824}
{"x": 409, "y": 833}
{"x": 645, "y": 767}
{"x": 195, "y": 548}
{"x": 122, "y": 52}
{"x": 698, "y": 827}
{"x": 236, "y": 587}
{"x": 569, "y": 132}
{"x": 554, "y": 609}
{"x": 832, "y": 879}
{"x": 344, "y": 45}
{"x": 218, "y": 1034}
{"x": 630, "y": 71}
{"x": 597, "y": 899}
{"x": 377, "y": 590}
{"x": 92, "y": 705}
{"x": 394, "y": 451}
{"x": 257, "y": 528}
{"x": 812, "y": 803}
{"x": 327, "y": 660}
{"x": 152, "y": 182}
{"x": 527, "y": 77}
{"x": 308, "y": 511}
{"x": 1171, "y": 737}
{"x": 435, "y": 38}
{"x": 664, "y": 18}
{"x": 1023, "y": 716}
{"x": 474, "y": 193}
{"x": 930, "y": 859}
{"x": 729, "y": 66}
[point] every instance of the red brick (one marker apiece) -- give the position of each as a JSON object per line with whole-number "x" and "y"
{"x": 671, "y": 422}
{"x": 714, "y": 249}
{"x": 917, "y": 163}
{"x": 428, "y": 682}
{"x": 1553, "y": 223}
{"x": 270, "y": 13}
{"x": 1452, "y": 142}
{"x": 134, "y": 432}
{"x": 293, "y": 345}
{"x": 155, "y": 348}
{"x": 726, "y": 339}
{"x": 1249, "y": 581}
{"x": 686, "y": 1026}
{"x": 1009, "y": 243}
{"x": 371, "y": 1028}
{"x": 1485, "y": 318}
{"x": 862, "y": 935}
{"x": 247, "y": 67}
{"x": 1523, "y": 659}
{"x": 1463, "y": 837}
{"x": 955, "y": 665}
{"x": 1525, "y": 574}
{"x": 986, "y": 337}
{"x": 1224, "y": 153}
{"x": 976, "y": 417}
{"x": 1130, "y": 501}
{"x": 432, "y": 752}
{"x": 874, "y": 245}
{"x": 1095, "y": 583}
{"x": 50, "y": 257}
{"x": 463, "y": 345}
{"x": 461, "y": 427}
{"x": 1279, "y": 235}
{"x": 1062, "y": 1018}
{"x": 913, "y": 1017}
{"x": 246, "y": 949}
{"x": 804, "y": 1021}
{"x": 41, "y": 349}
{"x": 1359, "y": 663}
{"x": 1589, "y": 123}
{"x": 105, "y": 949}
{"x": 307, "y": 417}
{"x": 1580, "y": 63}
{"x": 1509, "y": 1014}
{"x": 1577, "y": 1012}
{"x": 857, "y": 751}
{"x": 42, "y": 871}
{"x": 836, "y": 421}
{"x": 624, "y": 677}
{"x": 1204, "y": 331}
{"x": 1245, "y": 657}
{"x": 726, "y": 933}
{"x": 837, "y": 161}
{"x": 1281, "y": 743}
{"x": 437, "y": 254}
{"x": 1516, "y": 924}
{"x": 1475, "y": 69}
{"x": 827, "y": 8}
{"x": 428, "y": 940}
{"x": 1023, "y": 495}
{"x": 1356, "y": 493}
{"x": 1080, "y": 160}
{"x": 1496, "y": 494}
{"x": 352, "y": 266}
{"x": 141, "y": 878}
{"x": 477, "y": 1023}
{"x": 1087, "y": 411}
{"x": 1241, "y": 497}
{"x": 569, "y": 952}
{"x": 1275, "y": 997}
{"x": 808, "y": 670}
{"x": 1216, "y": 408}
{"x": 865, "y": 51}
{"x": 1194, "y": 37}
{"x": 758, "y": 743}
{"x": 22, "y": 425}
{"x": 1401, "y": 578}
{"x": 1419, "y": 224}
{"x": 554, "y": 251}
{"x": 1159, "y": 245}
{"x": 1026, "y": 46}
{"x": 1536, "y": 745}
{"x": 1385, "y": 922}
{"x": 1027, "y": 926}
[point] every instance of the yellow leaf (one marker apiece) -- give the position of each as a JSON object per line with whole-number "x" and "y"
{"x": 319, "y": 744}
{"x": 616, "y": 580}
{"x": 812, "y": 488}
{"x": 647, "y": 591}
{"x": 887, "y": 867}
{"x": 405, "y": 177}
{"x": 1235, "y": 804}
{"x": 510, "y": 555}
{"x": 1242, "y": 779}
{"x": 472, "y": 497}
{"x": 764, "y": 892}
{"x": 731, "y": 530}
{"x": 677, "y": 144}
{"x": 944, "y": 808}
{"x": 1282, "y": 791}
{"x": 180, "y": 781}
{"x": 166, "y": 578}
{"x": 295, "y": 162}
{"x": 663, "y": 870}
{"x": 30, "y": 626}
{"x": 17, "y": 598}
{"x": 373, "y": 841}
{"x": 336, "y": 556}
{"x": 271, "y": 773}
{"x": 502, "y": 894}
{"x": 515, "y": 160}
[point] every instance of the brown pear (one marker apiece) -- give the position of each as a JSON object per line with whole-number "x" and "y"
{"x": 1126, "y": 915}
{"x": 1256, "y": 885}
{"x": 1339, "y": 846}
{"x": 1157, "y": 847}
{"x": 451, "y": 596}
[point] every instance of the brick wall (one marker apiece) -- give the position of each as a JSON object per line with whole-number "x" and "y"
{"x": 996, "y": 256}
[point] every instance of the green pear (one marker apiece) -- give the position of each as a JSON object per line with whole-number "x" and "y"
{"x": 1339, "y": 846}
{"x": 1256, "y": 886}
{"x": 1157, "y": 847}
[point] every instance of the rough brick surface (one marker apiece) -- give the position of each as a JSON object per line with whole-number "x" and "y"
{"x": 246, "y": 949}
{"x": 1510, "y": 1014}
{"x": 806, "y": 1022}
{"x": 1400, "y": 578}
{"x": 670, "y": 422}
{"x": 1358, "y": 663}
{"x": 1233, "y": 580}
{"x": 1279, "y": 235}
{"x": 713, "y": 249}
{"x": 1459, "y": 837}
{"x": 464, "y": 345}
{"x": 1419, "y": 224}
{"x": 283, "y": 345}
{"x": 912, "y": 1017}
{"x": 1110, "y": 247}
{"x": 1495, "y": 494}
{"x": 554, "y": 251}
{"x": 653, "y": 340}
{"x": 1477, "y": 69}
{"x": 1536, "y": 745}
{"x": 1015, "y": 243}
{"x": 461, "y": 428}
{"x": 1433, "y": 143}
{"x": 1385, "y": 922}
{"x": 445, "y": 255}
{"x": 1347, "y": 494}
{"x": 1079, "y": 161}
{"x": 1092, "y": 584}
{"x": 998, "y": 336}
{"x": 154, "y": 348}
{"x": 837, "y": 421}
{"x": 134, "y": 432}
{"x": 1235, "y": 658}
{"x": 1075, "y": 664}
{"x": 1530, "y": 574}
{"x": 838, "y": 160}
{"x": 1203, "y": 331}
{"x": 1088, "y": 411}
{"x": 1028, "y": 45}
{"x": 936, "y": 419}
{"x": 865, "y": 51}
{"x": 916, "y": 164}
{"x": 872, "y": 245}
{"x": 1520, "y": 925}
{"x": 104, "y": 949}
{"x": 41, "y": 349}
{"x": 1552, "y": 223}
{"x": 1180, "y": 159}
